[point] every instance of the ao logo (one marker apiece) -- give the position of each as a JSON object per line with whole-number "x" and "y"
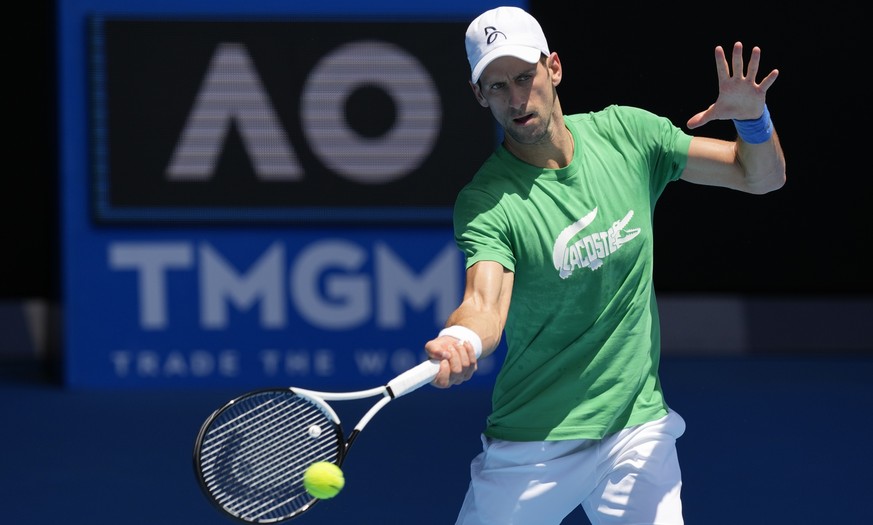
{"x": 233, "y": 92}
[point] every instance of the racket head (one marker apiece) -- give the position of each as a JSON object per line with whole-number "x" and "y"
{"x": 250, "y": 454}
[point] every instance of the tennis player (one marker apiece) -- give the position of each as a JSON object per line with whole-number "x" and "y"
{"x": 556, "y": 227}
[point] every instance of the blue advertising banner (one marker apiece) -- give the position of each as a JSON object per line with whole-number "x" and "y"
{"x": 244, "y": 205}
{"x": 321, "y": 308}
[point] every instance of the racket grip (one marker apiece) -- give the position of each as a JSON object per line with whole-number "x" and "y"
{"x": 414, "y": 378}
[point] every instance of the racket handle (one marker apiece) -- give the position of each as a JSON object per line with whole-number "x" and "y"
{"x": 414, "y": 378}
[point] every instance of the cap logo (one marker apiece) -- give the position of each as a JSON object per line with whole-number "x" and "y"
{"x": 491, "y": 34}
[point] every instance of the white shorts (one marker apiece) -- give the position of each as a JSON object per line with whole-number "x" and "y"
{"x": 630, "y": 477}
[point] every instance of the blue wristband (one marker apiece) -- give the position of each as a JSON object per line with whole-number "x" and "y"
{"x": 755, "y": 131}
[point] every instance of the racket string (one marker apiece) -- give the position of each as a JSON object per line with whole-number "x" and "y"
{"x": 275, "y": 426}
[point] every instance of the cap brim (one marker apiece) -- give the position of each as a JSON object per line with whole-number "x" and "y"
{"x": 529, "y": 54}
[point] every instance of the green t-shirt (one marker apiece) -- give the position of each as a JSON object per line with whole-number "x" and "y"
{"x": 583, "y": 337}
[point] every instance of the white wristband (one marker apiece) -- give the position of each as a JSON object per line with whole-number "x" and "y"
{"x": 462, "y": 333}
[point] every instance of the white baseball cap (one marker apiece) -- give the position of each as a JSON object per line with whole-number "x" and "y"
{"x": 504, "y": 31}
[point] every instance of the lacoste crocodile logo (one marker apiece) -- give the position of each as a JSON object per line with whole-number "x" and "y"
{"x": 589, "y": 251}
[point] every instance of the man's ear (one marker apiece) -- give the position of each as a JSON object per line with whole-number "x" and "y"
{"x": 553, "y": 64}
{"x": 477, "y": 92}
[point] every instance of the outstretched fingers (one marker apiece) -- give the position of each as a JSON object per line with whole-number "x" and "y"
{"x": 740, "y": 96}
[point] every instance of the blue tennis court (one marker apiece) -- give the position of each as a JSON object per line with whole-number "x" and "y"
{"x": 769, "y": 441}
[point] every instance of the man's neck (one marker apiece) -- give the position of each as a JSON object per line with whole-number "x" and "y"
{"x": 554, "y": 153}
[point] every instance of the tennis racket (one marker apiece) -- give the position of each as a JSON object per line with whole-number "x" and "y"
{"x": 250, "y": 454}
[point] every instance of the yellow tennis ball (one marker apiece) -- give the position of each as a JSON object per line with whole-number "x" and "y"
{"x": 323, "y": 480}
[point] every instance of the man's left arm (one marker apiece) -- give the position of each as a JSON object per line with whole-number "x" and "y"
{"x": 755, "y": 162}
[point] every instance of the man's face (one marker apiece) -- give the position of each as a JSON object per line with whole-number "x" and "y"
{"x": 521, "y": 96}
